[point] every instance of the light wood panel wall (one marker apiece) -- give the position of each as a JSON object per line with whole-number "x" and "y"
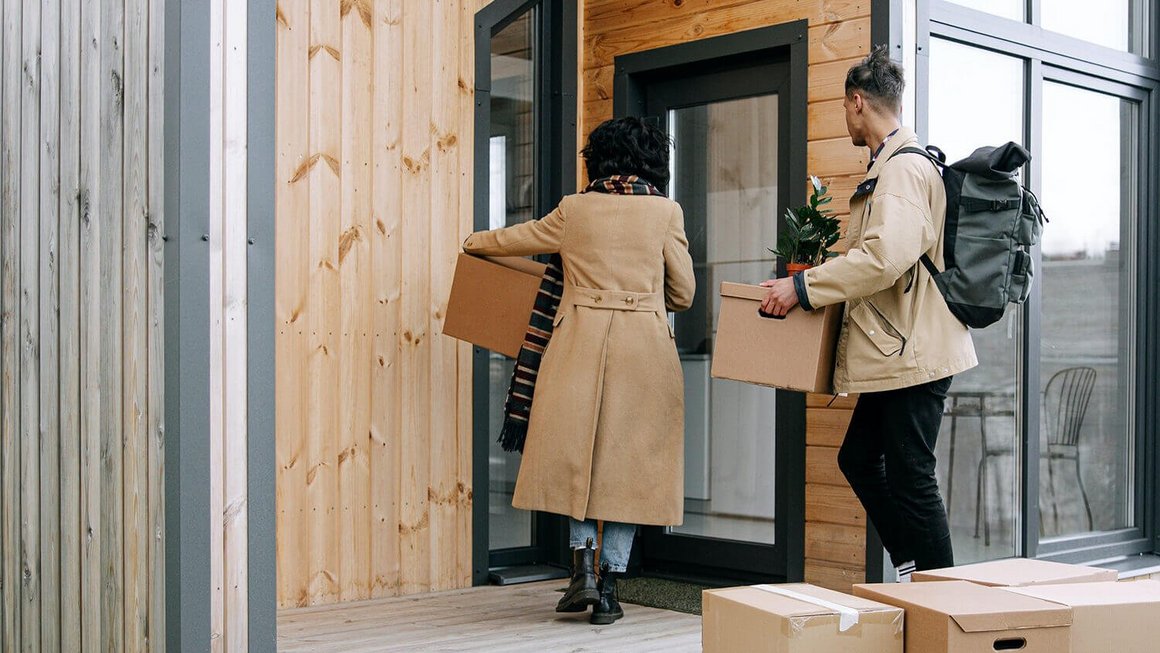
{"x": 227, "y": 322}
{"x": 81, "y": 331}
{"x": 374, "y": 167}
{"x": 839, "y": 36}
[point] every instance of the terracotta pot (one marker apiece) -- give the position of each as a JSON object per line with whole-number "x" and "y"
{"x": 793, "y": 268}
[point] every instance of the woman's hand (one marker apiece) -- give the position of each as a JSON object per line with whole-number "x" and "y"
{"x": 781, "y": 298}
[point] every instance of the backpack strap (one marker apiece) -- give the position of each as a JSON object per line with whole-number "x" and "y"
{"x": 929, "y": 265}
{"x": 935, "y": 156}
{"x": 976, "y": 204}
{"x": 932, "y": 154}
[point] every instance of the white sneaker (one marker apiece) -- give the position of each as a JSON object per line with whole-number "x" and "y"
{"x": 904, "y": 571}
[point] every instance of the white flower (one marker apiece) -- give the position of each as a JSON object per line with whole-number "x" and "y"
{"x": 817, "y": 183}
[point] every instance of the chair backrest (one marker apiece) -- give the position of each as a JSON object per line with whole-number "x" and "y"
{"x": 1065, "y": 402}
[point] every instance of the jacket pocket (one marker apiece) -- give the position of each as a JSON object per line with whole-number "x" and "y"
{"x": 663, "y": 317}
{"x": 887, "y": 339}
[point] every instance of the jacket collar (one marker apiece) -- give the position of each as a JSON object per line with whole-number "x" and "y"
{"x": 905, "y": 137}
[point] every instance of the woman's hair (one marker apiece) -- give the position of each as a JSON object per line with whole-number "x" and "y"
{"x": 879, "y": 79}
{"x": 628, "y": 146}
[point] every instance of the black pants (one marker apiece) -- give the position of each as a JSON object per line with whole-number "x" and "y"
{"x": 888, "y": 458}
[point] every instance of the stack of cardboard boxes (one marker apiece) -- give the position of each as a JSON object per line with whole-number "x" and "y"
{"x": 796, "y": 619}
{"x": 1006, "y": 605}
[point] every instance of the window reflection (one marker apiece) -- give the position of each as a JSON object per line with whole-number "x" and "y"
{"x": 1088, "y": 342}
{"x": 725, "y": 177}
{"x": 1013, "y": 9}
{"x": 511, "y": 201}
{"x": 1117, "y": 24}
{"x": 981, "y": 491}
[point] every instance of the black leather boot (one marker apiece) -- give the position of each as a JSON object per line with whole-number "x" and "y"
{"x": 582, "y": 591}
{"x": 608, "y": 609}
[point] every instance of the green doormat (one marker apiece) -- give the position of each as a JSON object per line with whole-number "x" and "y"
{"x": 661, "y": 593}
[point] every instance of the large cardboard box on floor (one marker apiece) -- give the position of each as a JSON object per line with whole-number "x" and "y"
{"x": 1019, "y": 572}
{"x": 961, "y": 617}
{"x": 1106, "y": 617}
{"x": 794, "y": 353}
{"x": 796, "y": 618}
{"x": 491, "y": 301}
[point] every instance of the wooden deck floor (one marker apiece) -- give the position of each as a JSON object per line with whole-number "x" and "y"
{"x": 495, "y": 619}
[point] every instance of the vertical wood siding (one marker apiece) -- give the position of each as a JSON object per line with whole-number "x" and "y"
{"x": 839, "y": 36}
{"x": 229, "y": 361}
{"x": 374, "y": 129}
{"x": 81, "y": 338}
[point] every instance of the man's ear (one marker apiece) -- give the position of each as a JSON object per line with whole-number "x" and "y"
{"x": 859, "y": 102}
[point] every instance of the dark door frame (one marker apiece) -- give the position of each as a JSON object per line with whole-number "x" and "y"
{"x": 555, "y": 169}
{"x": 753, "y": 51}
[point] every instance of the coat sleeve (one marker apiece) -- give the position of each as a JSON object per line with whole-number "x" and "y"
{"x": 680, "y": 284}
{"x": 899, "y": 229}
{"x": 542, "y": 236}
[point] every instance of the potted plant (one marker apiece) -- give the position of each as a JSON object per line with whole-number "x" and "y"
{"x": 809, "y": 232}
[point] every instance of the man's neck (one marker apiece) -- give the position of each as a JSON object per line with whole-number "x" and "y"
{"x": 879, "y": 132}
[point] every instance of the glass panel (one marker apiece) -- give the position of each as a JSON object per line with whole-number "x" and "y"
{"x": 1013, "y": 9}
{"x": 1087, "y": 350}
{"x": 1119, "y": 24}
{"x": 512, "y": 200}
{"x": 725, "y": 168}
{"x": 981, "y": 492}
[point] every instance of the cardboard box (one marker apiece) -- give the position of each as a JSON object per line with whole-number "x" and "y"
{"x": 796, "y": 618}
{"x": 1019, "y": 572}
{"x": 491, "y": 301}
{"x": 1120, "y": 617}
{"x": 961, "y": 617}
{"x": 795, "y": 353}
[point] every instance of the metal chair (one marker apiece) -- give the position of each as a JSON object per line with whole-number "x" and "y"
{"x": 1065, "y": 403}
{"x": 988, "y": 451}
{"x": 982, "y": 405}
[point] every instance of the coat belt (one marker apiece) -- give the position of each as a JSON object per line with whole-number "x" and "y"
{"x": 612, "y": 300}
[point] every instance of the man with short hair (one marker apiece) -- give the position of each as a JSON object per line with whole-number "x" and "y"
{"x": 899, "y": 345}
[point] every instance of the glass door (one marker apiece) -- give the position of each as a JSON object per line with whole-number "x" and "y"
{"x": 725, "y": 175}
{"x": 520, "y": 174}
{"x": 730, "y": 128}
{"x": 511, "y": 195}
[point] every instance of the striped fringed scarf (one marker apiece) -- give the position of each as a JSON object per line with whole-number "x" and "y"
{"x": 518, "y": 408}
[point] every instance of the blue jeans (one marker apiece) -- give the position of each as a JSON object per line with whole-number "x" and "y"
{"x": 617, "y": 545}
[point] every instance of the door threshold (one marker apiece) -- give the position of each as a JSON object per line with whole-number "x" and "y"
{"x": 516, "y": 574}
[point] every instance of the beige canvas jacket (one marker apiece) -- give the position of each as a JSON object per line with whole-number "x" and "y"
{"x": 607, "y": 433}
{"x": 897, "y": 331}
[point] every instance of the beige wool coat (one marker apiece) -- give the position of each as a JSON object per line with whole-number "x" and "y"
{"x": 606, "y": 437}
{"x": 897, "y": 331}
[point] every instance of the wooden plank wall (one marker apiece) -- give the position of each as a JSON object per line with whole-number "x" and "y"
{"x": 374, "y": 166}
{"x": 228, "y": 326}
{"x": 839, "y": 36}
{"x": 81, "y": 331}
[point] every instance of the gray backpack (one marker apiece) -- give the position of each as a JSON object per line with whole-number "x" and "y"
{"x": 991, "y": 224}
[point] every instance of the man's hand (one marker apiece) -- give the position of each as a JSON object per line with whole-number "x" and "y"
{"x": 781, "y": 298}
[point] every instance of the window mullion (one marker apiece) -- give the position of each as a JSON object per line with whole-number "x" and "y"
{"x": 1032, "y": 311}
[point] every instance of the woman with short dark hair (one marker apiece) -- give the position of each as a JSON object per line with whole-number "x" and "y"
{"x": 597, "y": 399}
